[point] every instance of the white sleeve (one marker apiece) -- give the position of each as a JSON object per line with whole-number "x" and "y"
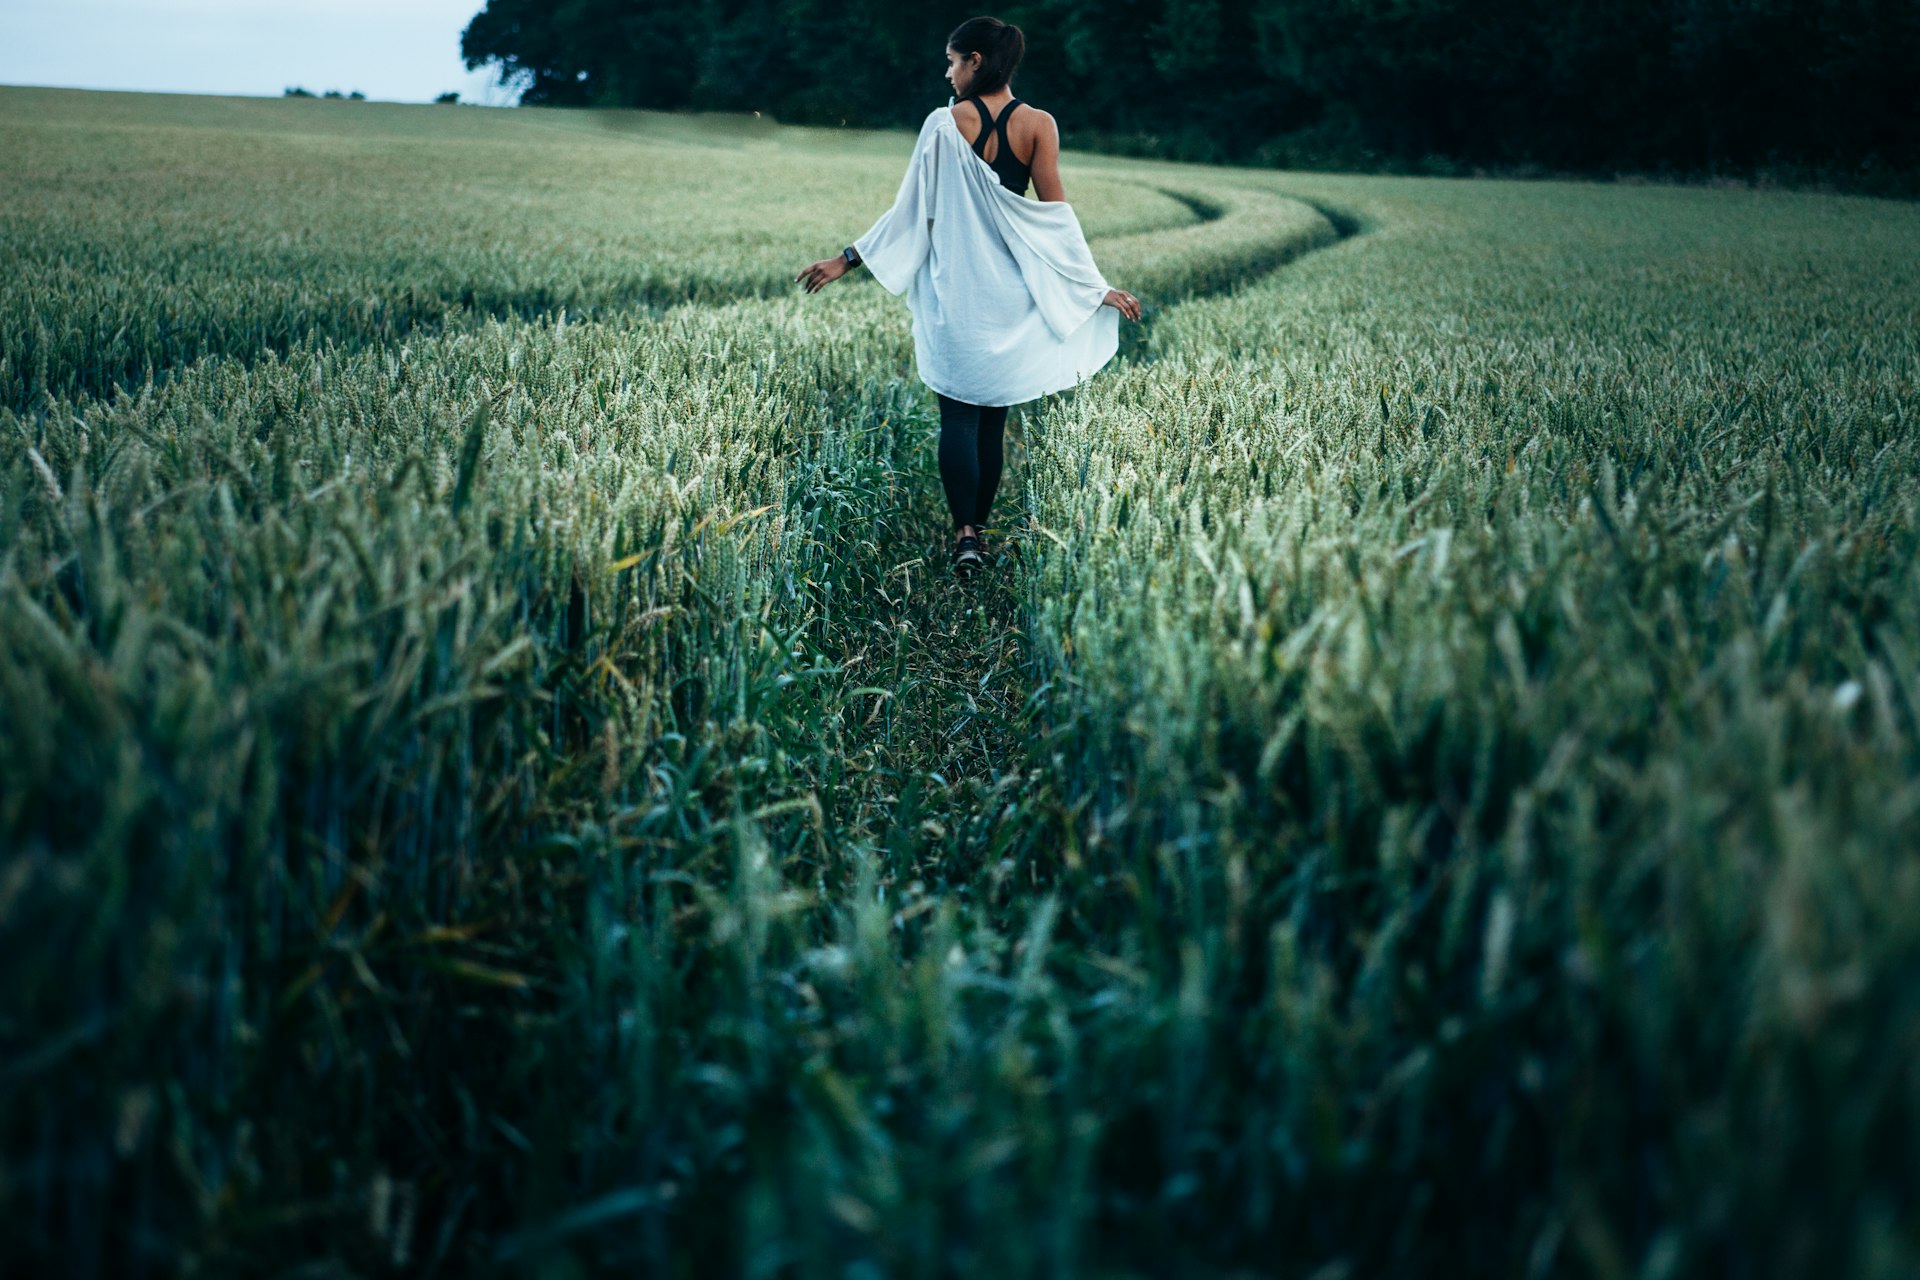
{"x": 1046, "y": 240}
{"x": 894, "y": 247}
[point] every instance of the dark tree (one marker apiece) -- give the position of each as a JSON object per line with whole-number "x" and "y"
{"x": 1813, "y": 86}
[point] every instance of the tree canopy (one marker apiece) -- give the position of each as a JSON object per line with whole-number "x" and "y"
{"x": 1661, "y": 85}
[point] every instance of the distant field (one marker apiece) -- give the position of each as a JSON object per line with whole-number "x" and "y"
{"x": 497, "y": 775}
{"x": 149, "y": 231}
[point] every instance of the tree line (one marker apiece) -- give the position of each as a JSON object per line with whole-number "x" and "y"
{"x": 1799, "y": 88}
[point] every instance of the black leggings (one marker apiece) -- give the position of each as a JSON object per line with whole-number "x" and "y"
{"x": 972, "y": 438}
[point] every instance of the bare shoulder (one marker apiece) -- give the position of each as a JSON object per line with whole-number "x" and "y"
{"x": 964, "y": 116}
{"x": 1032, "y": 130}
{"x": 1043, "y": 134}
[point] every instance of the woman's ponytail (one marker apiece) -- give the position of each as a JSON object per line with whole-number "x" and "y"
{"x": 1013, "y": 42}
{"x": 1000, "y": 45}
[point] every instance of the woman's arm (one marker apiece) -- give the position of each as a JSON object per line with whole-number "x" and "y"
{"x": 1046, "y": 186}
{"x": 895, "y": 245}
{"x": 1046, "y": 160}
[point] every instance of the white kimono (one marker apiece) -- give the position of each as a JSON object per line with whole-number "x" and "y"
{"x": 1005, "y": 296}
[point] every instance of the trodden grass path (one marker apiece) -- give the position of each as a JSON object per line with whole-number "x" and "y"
{"x": 933, "y": 670}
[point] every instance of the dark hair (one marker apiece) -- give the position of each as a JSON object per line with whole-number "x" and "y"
{"x": 1000, "y": 46}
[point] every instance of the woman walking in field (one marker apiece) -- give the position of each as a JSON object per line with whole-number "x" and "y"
{"x": 1007, "y": 302}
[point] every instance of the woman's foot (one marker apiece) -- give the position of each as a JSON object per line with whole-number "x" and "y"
{"x": 967, "y": 555}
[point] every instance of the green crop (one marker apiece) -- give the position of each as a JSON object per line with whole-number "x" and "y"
{"x": 139, "y": 242}
{"x": 497, "y": 774}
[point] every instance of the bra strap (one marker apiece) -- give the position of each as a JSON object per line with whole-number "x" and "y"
{"x": 986, "y": 125}
{"x": 989, "y": 125}
{"x": 1004, "y": 113}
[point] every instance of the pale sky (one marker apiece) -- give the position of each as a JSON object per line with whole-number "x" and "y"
{"x": 390, "y": 50}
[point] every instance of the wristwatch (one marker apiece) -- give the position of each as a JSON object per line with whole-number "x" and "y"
{"x": 851, "y": 255}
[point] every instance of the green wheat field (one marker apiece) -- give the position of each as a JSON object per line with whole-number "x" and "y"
{"x": 497, "y": 776}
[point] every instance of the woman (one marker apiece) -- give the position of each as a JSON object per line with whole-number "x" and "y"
{"x": 1007, "y": 302}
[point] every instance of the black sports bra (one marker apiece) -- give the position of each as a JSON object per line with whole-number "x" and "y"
{"x": 1013, "y": 174}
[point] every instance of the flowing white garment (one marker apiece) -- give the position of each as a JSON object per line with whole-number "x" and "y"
{"x": 1004, "y": 292}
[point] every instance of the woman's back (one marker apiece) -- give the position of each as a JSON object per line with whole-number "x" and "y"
{"x": 1003, "y": 288}
{"x": 1001, "y": 139}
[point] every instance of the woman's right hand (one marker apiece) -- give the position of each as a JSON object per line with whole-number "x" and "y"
{"x": 818, "y": 275}
{"x": 1123, "y": 302}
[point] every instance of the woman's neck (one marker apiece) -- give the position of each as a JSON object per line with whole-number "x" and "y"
{"x": 995, "y": 98}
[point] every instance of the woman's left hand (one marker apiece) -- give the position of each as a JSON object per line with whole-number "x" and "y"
{"x": 1123, "y": 302}
{"x": 822, "y": 273}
